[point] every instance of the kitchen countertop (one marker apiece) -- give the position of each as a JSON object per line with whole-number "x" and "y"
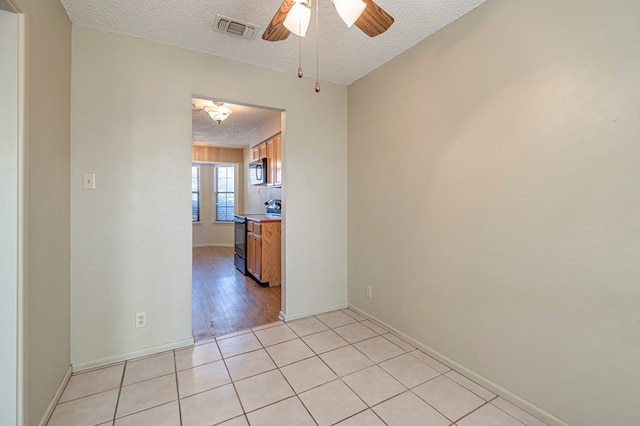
{"x": 264, "y": 218}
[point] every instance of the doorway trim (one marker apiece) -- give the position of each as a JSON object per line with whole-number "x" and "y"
{"x": 14, "y": 213}
{"x": 283, "y": 130}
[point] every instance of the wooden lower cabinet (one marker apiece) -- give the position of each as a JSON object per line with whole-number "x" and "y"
{"x": 263, "y": 252}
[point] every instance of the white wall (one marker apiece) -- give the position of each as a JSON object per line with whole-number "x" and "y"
{"x": 494, "y": 210}
{"x": 47, "y": 254}
{"x": 8, "y": 217}
{"x": 209, "y": 232}
{"x": 131, "y": 115}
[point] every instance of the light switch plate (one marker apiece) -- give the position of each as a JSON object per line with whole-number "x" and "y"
{"x": 89, "y": 181}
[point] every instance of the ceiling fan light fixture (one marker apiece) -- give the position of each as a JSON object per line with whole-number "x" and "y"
{"x": 349, "y": 10}
{"x": 298, "y": 18}
{"x": 219, "y": 112}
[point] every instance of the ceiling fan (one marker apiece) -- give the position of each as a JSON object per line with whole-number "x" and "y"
{"x": 365, "y": 14}
{"x": 294, "y": 16}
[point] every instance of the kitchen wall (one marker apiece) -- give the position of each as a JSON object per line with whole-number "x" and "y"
{"x": 494, "y": 210}
{"x": 209, "y": 232}
{"x": 131, "y": 237}
{"x": 47, "y": 257}
{"x": 257, "y": 195}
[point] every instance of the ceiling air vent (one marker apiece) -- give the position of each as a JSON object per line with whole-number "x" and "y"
{"x": 231, "y": 26}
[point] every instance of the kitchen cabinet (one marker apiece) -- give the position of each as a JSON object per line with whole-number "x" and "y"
{"x": 254, "y": 255}
{"x": 270, "y": 149}
{"x": 255, "y": 153}
{"x": 259, "y": 152}
{"x": 274, "y": 157}
{"x": 263, "y": 250}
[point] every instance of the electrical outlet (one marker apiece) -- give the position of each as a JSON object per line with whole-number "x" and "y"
{"x": 141, "y": 319}
{"x": 369, "y": 291}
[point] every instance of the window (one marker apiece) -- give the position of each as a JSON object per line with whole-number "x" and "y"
{"x": 195, "y": 193}
{"x": 224, "y": 196}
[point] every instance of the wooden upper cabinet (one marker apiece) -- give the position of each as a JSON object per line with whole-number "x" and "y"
{"x": 277, "y": 160}
{"x": 255, "y": 153}
{"x": 270, "y": 161}
{"x": 272, "y": 151}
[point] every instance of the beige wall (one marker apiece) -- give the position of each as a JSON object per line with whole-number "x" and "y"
{"x": 48, "y": 81}
{"x": 494, "y": 201}
{"x": 131, "y": 113}
{"x": 4, "y": 5}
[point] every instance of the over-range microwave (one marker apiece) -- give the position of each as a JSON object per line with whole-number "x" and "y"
{"x": 258, "y": 172}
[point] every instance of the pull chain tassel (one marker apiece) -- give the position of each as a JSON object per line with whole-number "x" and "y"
{"x": 300, "y": 73}
{"x": 317, "y": 87}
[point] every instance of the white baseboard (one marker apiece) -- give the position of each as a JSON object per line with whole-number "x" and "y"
{"x": 131, "y": 355}
{"x": 52, "y": 405}
{"x": 285, "y": 317}
{"x": 211, "y": 245}
{"x": 493, "y": 387}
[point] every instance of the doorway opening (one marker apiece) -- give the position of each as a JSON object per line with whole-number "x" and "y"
{"x": 229, "y": 292}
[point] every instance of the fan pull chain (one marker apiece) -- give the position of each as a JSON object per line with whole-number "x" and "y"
{"x": 317, "y": 48}
{"x": 300, "y": 73}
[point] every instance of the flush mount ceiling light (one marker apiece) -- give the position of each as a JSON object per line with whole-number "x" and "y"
{"x": 294, "y": 16}
{"x": 219, "y": 112}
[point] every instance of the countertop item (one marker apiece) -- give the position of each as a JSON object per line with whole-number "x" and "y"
{"x": 264, "y": 218}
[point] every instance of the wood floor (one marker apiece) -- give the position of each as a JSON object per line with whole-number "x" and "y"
{"x": 224, "y": 300}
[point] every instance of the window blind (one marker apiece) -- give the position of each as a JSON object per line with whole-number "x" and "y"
{"x": 224, "y": 195}
{"x": 195, "y": 193}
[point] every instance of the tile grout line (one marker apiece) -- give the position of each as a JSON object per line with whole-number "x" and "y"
{"x": 377, "y": 364}
{"x": 175, "y": 367}
{"x": 338, "y": 377}
{"x": 472, "y": 411}
{"x": 115, "y": 411}
{"x": 255, "y": 333}
{"x": 508, "y": 414}
{"x": 231, "y": 378}
{"x": 89, "y": 394}
{"x": 295, "y": 393}
{"x": 341, "y": 378}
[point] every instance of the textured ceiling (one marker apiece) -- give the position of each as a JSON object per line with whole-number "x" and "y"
{"x": 234, "y": 131}
{"x": 345, "y": 54}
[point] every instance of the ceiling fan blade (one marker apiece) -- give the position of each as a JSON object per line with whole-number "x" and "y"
{"x": 276, "y": 30}
{"x": 374, "y": 20}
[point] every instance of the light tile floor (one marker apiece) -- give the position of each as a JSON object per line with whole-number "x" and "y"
{"x": 334, "y": 368}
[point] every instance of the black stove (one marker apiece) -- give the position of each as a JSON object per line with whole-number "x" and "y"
{"x": 273, "y": 207}
{"x": 240, "y": 243}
